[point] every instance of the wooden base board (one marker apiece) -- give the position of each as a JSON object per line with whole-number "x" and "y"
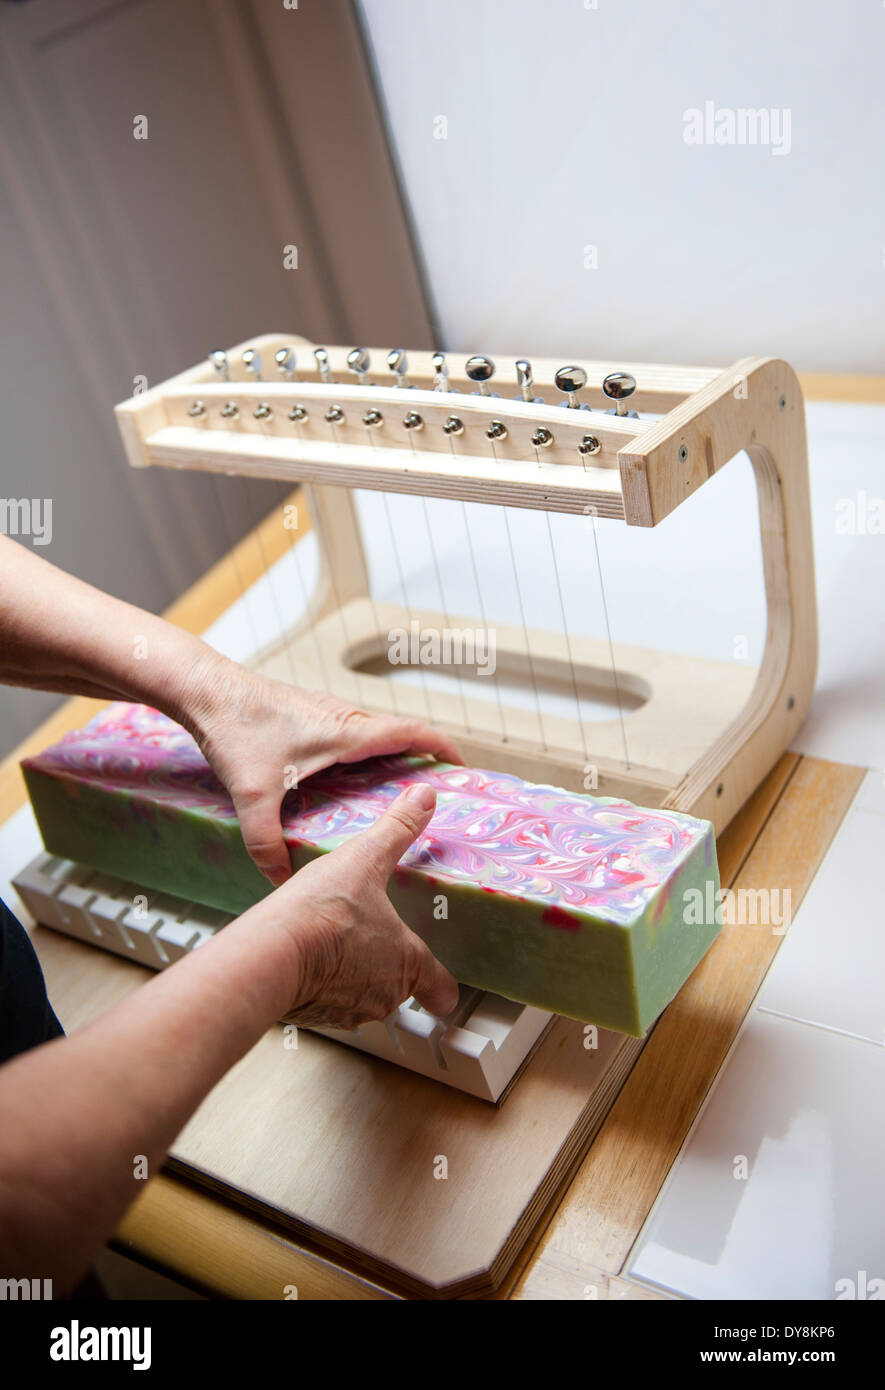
{"x": 349, "y": 1152}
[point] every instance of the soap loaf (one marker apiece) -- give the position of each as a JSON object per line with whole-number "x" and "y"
{"x": 586, "y": 906}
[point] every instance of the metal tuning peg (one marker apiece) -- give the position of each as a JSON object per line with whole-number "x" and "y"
{"x": 619, "y": 387}
{"x": 284, "y": 358}
{"x": 218, "y": 358}
{"x": 358, "y": 361}
{"x": 398, "y": 363}
{"x": 571, "y": 380}
{"x": 440, "y": 371}
{"x": 527, "y": 383}
{"x": 480, "y": 370}
{"x": 252, "y": 363}
{"x": 322, "y": 361}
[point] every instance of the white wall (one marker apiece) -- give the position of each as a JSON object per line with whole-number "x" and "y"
{"x": 565, "y": 129}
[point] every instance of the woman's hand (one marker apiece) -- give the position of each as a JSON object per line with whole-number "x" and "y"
{"x": 355, "y": 960}
{"x": 262, "y": 737}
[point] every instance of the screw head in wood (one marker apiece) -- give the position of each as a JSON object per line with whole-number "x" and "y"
{"x": 589, "y": 445}
{"x": 480, "y": 370}
{"x": 571, "y": 380}
{"x": 230, "y": 410}
{"x": 252, "y": 363}
{"x": 284, "y": 358}
{"x": 497, "y": 430}
{"x": 198, "y": 408}
{"x": 262, "y": 411}
{"x": 398, "y": 363}
{"x": 413, "y": 421}
{"x": 542, "y": 438}
{"x": 334, "y": 415}
{"x": 453, "y": 426}
{"x": 373, "y": 418}
{"x": 297, "y": 414}
{"x": 526, "y": 381}
{"x": 358, "y": 361}
{"x": 440, "y": 372}
{"x": 322, "y": 360}
{"x": 619, "y": 387}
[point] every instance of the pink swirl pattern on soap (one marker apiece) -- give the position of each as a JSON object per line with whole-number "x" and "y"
{"x": 538, "y": 842}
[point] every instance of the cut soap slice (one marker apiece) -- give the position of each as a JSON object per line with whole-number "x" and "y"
{"x": 586, "y": 906}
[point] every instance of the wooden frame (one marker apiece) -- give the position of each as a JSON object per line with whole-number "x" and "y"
{"x": 704, "y": 753}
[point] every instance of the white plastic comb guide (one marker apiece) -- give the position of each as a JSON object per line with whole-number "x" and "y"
{"x": 478, "y": 1049}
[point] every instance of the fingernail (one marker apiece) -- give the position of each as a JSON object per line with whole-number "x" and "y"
{"x": 422, "y": 795}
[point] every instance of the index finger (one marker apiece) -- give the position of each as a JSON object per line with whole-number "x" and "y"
{"x": 389, "y": 735}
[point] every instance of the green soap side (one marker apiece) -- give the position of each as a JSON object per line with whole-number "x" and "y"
{"x": 172, "y": 850}
{"x": 667, "y": 950}
{"x": 501, "y": 943}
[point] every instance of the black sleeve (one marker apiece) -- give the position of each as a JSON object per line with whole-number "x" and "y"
{"x": 26, "y": 1016}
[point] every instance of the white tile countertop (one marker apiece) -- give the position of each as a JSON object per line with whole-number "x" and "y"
{"x": 777, "y": 1192}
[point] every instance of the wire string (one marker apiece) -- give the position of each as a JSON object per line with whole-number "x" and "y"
{"x": 611, "y": 647}
{"x": 405, "y": 593}
{"x": 482, "y": 613}
{"x": 568, "y": 640}
{"x": 528, "y": 649}
{"x": 442, "y": 597}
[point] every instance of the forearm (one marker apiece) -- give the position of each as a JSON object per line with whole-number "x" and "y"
{"x": 81, "y": 1114}
{"x": 58, "y": 633}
